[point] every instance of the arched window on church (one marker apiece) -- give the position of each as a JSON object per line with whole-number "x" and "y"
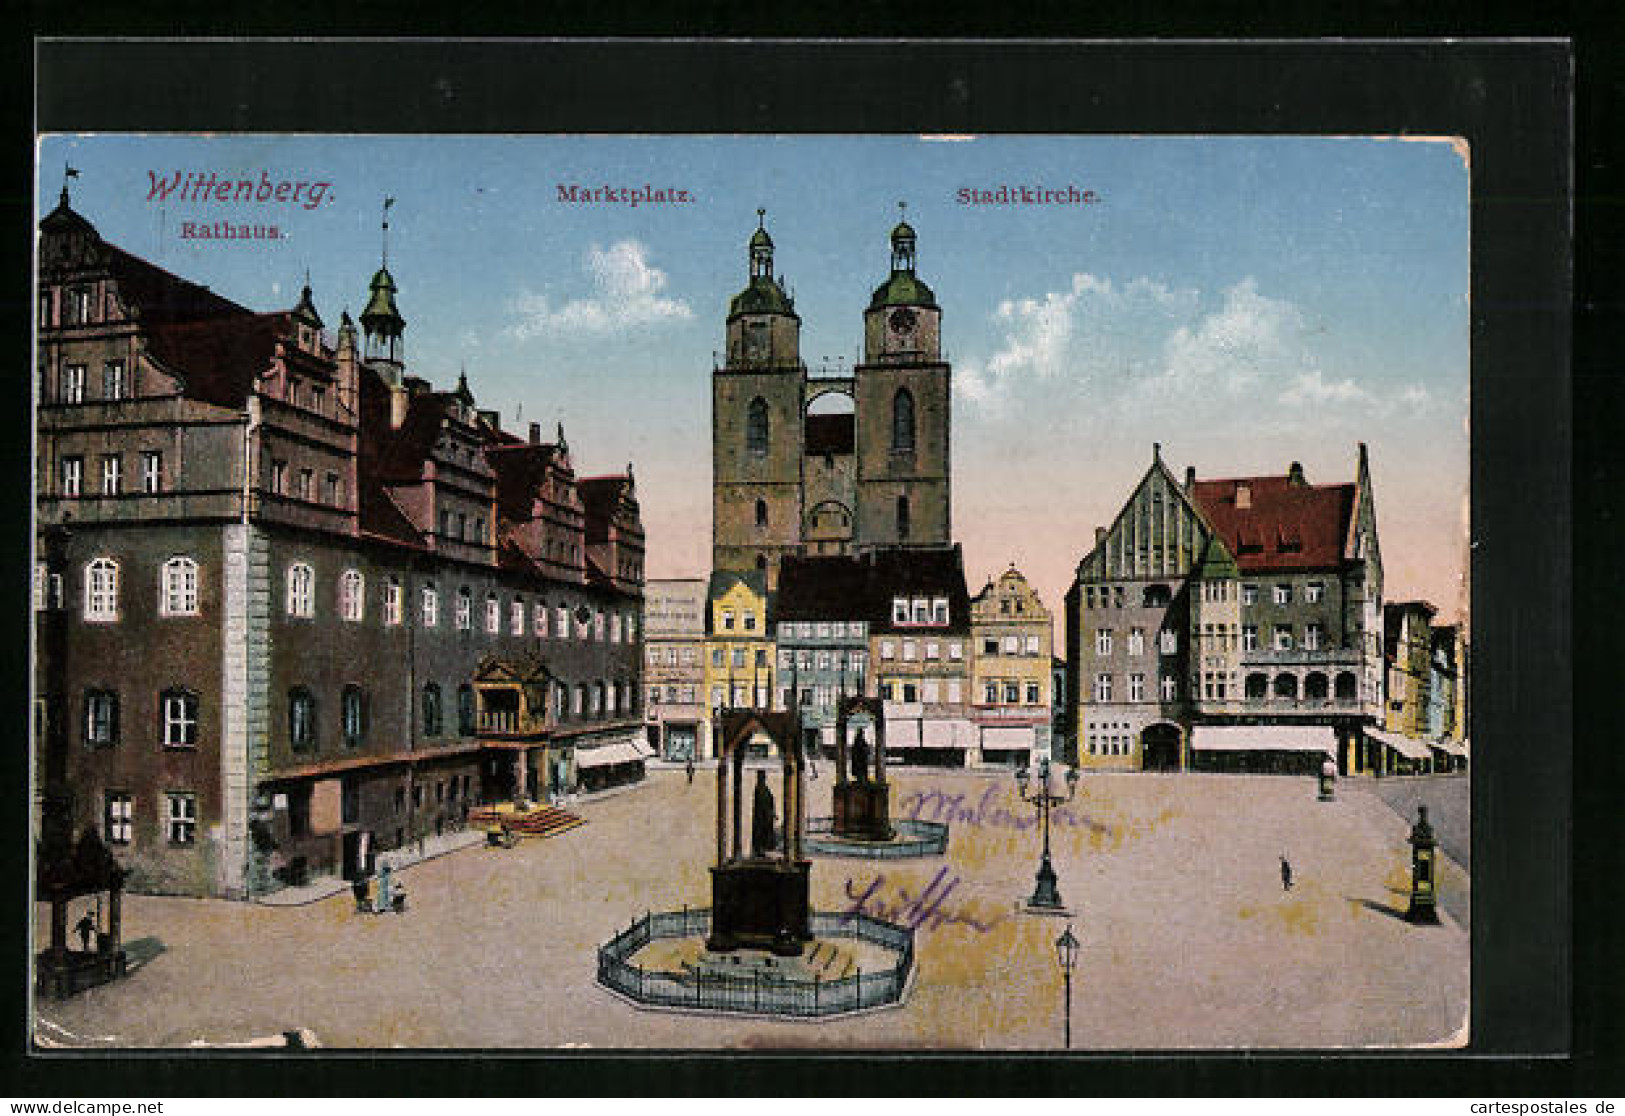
{"x": 756, "y": 427}
{"x": 761, "y": 514}
{"x": 902, "y": 422}
{"x": 902, "y": 517}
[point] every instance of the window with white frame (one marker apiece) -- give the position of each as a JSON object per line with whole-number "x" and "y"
{"x": 101, "y": 590}
{"x": 1103, "y": 687}
{"x": 113, "y": 386}
{"x": 353, "y": 716}
{"x": 1169, "y": 641}
{"x": 933, "y": 650}
{"x": 429, "y": 604}
{"x": 615, "y": 627}
{"x": 177, "y": 592}
{"x": 392, "y": 601}
{"x": 1314, "y": 592}
{"x": 1283, "y": 594}
{"x": 939, "y": 610}
{"x": 1283, "y": 637}
{"x": 118, "y": 817}
{"x": 956, "y": 651}
{"x": 1136, "y": 641}
{"x": 911, "y": 651}
{"x": 463, "y": 611}
{"x": 1136, "y": 687}
{"x": 1249, "y": 594}
{"x": 493, "y": 614}
{"x": 1032, "y": 645}
{"x": 888, "y": 649}
{"x": 1103, "y": 641}
{"x": 1033, "y": 696}
{"x": 73, "y": 476}
{"x": 152, "y": 471}
{"x": 72, "y": 384}
{"x": 301, "y": 590}
{"x": 539, "y": 619}
{"x": 178, "y": 709}
{"x": 922, "y": 611}
{"x": 101, "y": 718}
{"x": 955, "y": 691}
{"x": 352, "y": 595}
{"x": 516, "y": 617}
{"x": 41, "y": 581}
{"x": 598, "y": 625}
{"x": 1170, "y": 687}
{"x": 1249, "y": 637}
{"x": 1012, "y": 693}
{"x": 112, "y": 474}
{"x": 180, "y": 817}
{"x": 630, "y": 628}
{"x": 279, "y": 477}
{"x": 727, "y": 620}
{"x": 301, "y": 719}
{"x": 1312, "y": 637}
{"x": 561, "y": 615}
{"x": 899, "y": 610}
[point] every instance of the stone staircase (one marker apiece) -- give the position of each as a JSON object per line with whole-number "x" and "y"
{"x": 539, "y": 821}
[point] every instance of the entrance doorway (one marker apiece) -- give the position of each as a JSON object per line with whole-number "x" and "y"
{"x": 1159, "y": 744}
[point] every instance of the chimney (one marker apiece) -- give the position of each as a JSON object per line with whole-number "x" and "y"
{"x": 1294, "y": 476}
{"x": 1244, "y": 495}
{"x": 535, "y": 433}
{"x": 1190, "y": 477}
{"x": 1100, "y": 535}
{"x": 398, "y": 399}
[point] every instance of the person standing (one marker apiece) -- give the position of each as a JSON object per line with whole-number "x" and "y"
{"x": 85, "y": 927}
{"x": 1286, "y": 874}
{"x": 688, "y": 769}
{"x": 385, "y": 883}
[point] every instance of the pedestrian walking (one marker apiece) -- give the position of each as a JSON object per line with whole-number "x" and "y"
{"x": 1286, "y": 874}
{"x": 688, "y": 769}
{"x": 85, "y": 928}
{"x": 361, "y": 888}
{"x": 386, "y": 883}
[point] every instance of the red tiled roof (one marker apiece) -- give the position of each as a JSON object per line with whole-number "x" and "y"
{"x": 382, "y": 518}
{"x": 1285, "y": 527}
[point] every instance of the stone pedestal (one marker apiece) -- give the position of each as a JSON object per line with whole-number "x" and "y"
{"x": 863, "y": 811}
{"x": 761, "y": 904}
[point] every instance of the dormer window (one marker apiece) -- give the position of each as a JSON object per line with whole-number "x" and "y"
{"x": 899, "y": 610}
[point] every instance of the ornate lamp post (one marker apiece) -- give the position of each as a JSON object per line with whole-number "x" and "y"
{"x": 1066, "y": 952}
{"x": 1046, "y": 897}
{"x": 1424, "y": 899}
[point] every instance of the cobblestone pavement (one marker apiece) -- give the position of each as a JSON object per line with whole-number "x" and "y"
{"x": 1189, "y": 940}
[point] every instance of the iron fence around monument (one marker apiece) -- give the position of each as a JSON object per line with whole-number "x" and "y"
{"x": 758, "y": 994}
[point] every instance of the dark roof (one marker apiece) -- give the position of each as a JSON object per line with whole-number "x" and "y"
{"x": 830, "y": 433}
{"x": 521, "y": 467}
{"x": 723, "y": 580}
{"x": 923, "y": 572}
{"x": 159, "y": 296}
{"x": 401, "y": 455}
{"x": 1287, "y": 526}
{"x": 601, "y": 496}
{"x": 381, "y": 517}
{"x": 219, "y": 359}
{"x": 904, "y": 288}
{"x": 822, "y": 587}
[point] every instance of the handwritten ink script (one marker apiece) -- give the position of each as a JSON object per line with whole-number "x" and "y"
{"x": 986, "y": 812}
{"x": 927, "y": 910}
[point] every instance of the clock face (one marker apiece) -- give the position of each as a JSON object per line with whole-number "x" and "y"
{"x": 903, "y": 320}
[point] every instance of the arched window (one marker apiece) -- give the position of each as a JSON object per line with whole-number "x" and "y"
{"x": 101, "y": 590}
{"x": 1348, "y": 686}
{"x": 177, "y": 588}
{"x": 902, "y": 422}
{"x": 1257, "y": 686}
{"x": 354, "y": 713}
{"x": 301, "y": 719}
{"x": 493, "y": 614}
{"x": 756, "y": 437}
{"x": 301, "y": 590}
{"x": 392, "y": 601}
{"x": 465, "y": 710}
{"x": 431, "y": 710}
{"x": 351, "y": 595}
{"x": 1286, "y": 686}
{"x": 761, "y": 514}
{"x": 902, "y": 517}
{"x": 431, "y": 605}
{"x": 1314, "y": 686}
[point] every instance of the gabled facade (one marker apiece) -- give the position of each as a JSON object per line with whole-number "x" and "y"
{"x": 674, "y": 669}
{"x": 272, "y": 562}
{"x": 1010, "y": 692}
{"x": 1252, "y": 601}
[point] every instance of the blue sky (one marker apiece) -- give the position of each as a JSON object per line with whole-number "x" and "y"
{"x": 1246, "y": 302}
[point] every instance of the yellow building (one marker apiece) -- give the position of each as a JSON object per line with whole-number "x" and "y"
{"x": 738, "y": 646}
{"x": 1012, "y": 637}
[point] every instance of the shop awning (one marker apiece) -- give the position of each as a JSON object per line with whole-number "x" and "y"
{"x": 608, "y": 755}
{"x": 1406, "y": 746}
{"x": 1264, "y": 738}
{"x": 902, "y": 734}
{"x": 946, "y": 734}
{"x": 1450, "y": 747}
{"x": 1007, "y": 738}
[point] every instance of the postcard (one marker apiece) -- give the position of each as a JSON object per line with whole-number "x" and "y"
{"x": 961, "y": 593}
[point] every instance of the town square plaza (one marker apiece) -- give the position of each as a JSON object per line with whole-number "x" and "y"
{"x": 1173, "y": 882}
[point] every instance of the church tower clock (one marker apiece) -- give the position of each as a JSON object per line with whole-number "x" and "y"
{"x": 756, "y": 423}
{"x": 903, "y": 410}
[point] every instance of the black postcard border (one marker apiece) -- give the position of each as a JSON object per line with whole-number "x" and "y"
{"x": 1510, "y": 99}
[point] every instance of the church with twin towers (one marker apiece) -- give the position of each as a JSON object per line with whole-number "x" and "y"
{"x": 806, "y": 464}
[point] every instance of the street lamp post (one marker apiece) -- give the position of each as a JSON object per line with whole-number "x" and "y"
{"x": 1066, "y": 951}
{"x": 1046, "y": 896}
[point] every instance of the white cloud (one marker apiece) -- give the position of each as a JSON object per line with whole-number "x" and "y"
{"x": 1311, "y": 389}
{"x": 627, "y": 293}
{"x": 1093, "y": 328}
{"x": 1252, "y": 337}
